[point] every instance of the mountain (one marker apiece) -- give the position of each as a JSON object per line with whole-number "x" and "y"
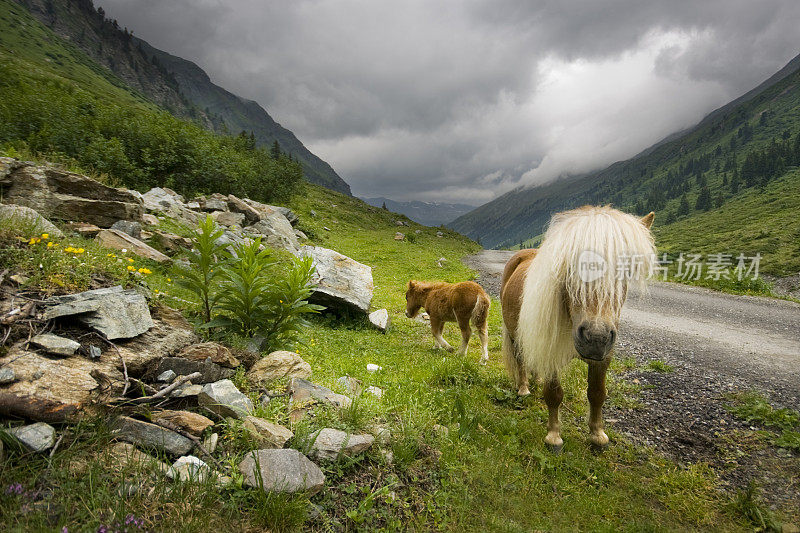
{"x": 735, "y": 150}
{"x": 177, "y": 85}
{"x": 426, "y": 213}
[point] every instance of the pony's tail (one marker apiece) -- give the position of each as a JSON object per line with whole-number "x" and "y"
{"x": 480, "y": 313}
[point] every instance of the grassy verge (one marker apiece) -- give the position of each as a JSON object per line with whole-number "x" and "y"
{"x": 465, "y": 452}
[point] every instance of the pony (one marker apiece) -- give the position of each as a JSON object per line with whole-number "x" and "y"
{"x": 564, "y": 299}
{"x": 463, "y": 302}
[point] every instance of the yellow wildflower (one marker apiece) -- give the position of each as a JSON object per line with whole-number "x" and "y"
{"x": 130, "y": 260}
{"x": 79, "y": 251}
{"x": 51, "y": 244}
{"x": 45, "y": 236}
{"x": 131, "y": 268}
{"x": 145, "y": 271}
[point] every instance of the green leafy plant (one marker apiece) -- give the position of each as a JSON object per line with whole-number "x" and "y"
{"x": 257, "y": 299}
{"x": 206, "y": 259}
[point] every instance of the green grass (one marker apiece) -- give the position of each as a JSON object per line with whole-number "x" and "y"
{"x": 755, "y": 408}
{"x": 491, "y": 471}
{"x": 660, "y": 366}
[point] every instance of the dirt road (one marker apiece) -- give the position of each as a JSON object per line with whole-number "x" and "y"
{"x": 717, "y": 344}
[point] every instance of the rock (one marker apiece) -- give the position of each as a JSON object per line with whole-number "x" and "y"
{"x": 36, "y": 437}
{"x": 399, "y": 236}
{"x": 351, "y": 385}
{"x": 329, "y": 444}
{"x": 56, "y": 345}
{"x": 19, "y": 279}
{"x": 112, "y": 238}
{"x": 283, "y": 470}
{"x": 300, "y": 235}
{"x": 342, "y": 283}
{"x": 375, "y": 391}
{"x": 228, "y": 218}
{"x": 171, "y": 242}
{"x": 7, "y": 375}
{"x": 191, "y": 423}
{"x": 63, "y": 390}
{"x": 439, "y": 234}
{"x": 303, "y": 393}
{"x": 313, "y": 213}
{"x": 189, "y": 468}
{"x": 256, "y": 344}
{"x": 380, "y": 319}
{"x": 277, "y": 365}
{"x": 210, "y": 372}
{"x": 187, "y": 391}
{"x": 787, "y": 527}
{"x": 150, "y": 220}
{"x": 57, "y": 194}
{"x": 440, "y": 430}
{"x": 224, "y": 399}
{"x": 290, "y": 215}
{"x": 276, "y": 231}
{"x": 149, "y": 435}
{"x": 216, "y": 352}
{"x": 170, "y": 203}
{"x": 383, "y": 435}
{"x": 210, "y": 442}
{"x": 28, "y": 219}
{"x": 166, "y": 376}
{"x": 417, "y": 231}
{"x": 399, "y": 223}
{"x": 326, "y": 228}
{"x": 129, "y": 227}
{"x": 115, "y": 313}
{"x": 169, "y": 335}
{"x": 268, "y": 434}
{"x": 123, "y": 454}
{"x": 87, "y": 231}
{"x": 372, "y": 367}
{"x": 215, "y": 202}
{"x": 251, "y": 214}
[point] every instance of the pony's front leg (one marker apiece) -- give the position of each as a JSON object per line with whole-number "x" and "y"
{"x": 437, "y": 326}
{"x": 553, "y": 394}
{"x": 596, "y": 392}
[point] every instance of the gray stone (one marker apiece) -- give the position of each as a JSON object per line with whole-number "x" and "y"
{"x": 224, "y": 399}
{"x": 228, "y": 218}
{"x": 277, "y": 365}
{"x": 116, "y": 313}
{"x": 237, "y": 205}
{"x": 375, "y": 391}
{"x": 329, "y": 444}
{"x": 215, "y": 204}
{"x": 302, "y": 391}
{"x": 399, "y": 236}
{"x": 290, "y": 215}
{"x": 149, "y": 435}
{"x": 380, "y": 319}
{"x": 132, "y": 228}
{"x": 187, "y": 391}
{"x": 210, "y": 372}
{"x": 62, "y": 195}
{"x": 166, "y": 376}
{"x": 112, "y": 238}
{"x": 27, "y": 219}
{"x": 281, "y": 470}
{"x": 95, "y": 352}
{"x": 7, "y": 375}
{"x": 56, "y": 345}
{"x": 170, "y": 203}
{"x": 268, "y": 434}
{"x": 276, "y": 231}
{"x": 210, "y": 442}
{"x": 190, "y": 468}
{"x": 36, "y": 437}
{"x": 342, "y": 283}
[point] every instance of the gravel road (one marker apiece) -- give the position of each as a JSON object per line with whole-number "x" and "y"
{"x": 717, "y": 344}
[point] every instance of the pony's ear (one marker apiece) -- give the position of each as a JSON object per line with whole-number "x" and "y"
{"x": 411, "y": 284}
{"x": 647, "y": 220}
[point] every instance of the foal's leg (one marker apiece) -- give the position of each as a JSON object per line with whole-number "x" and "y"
{"x": 553, "y": 394}
{"x": 466, "y": 334}
{"x": 483, "y": 335}
{"x": 597, "y": 396}
{"x": 437, "y": 326}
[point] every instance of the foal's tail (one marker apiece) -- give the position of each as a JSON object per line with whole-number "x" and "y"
{"x": 480, "y": 313}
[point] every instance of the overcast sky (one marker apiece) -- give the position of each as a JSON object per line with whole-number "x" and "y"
{"x": 463, "y": 100}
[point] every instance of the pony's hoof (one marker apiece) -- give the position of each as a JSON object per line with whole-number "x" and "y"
{"x": 523, "y": 391}
{"x": 555, "y": 449}
{"x": 598, "y": 447}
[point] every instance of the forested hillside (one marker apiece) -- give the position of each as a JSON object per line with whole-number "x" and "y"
{"x": 177, "y": 85}
{"x": 56, "y": 102}
{"x": 733, "y": 155}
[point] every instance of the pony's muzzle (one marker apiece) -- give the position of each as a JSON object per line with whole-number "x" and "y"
{"x": 594, "y": 341}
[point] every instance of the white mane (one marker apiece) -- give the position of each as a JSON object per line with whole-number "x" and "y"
{"x": 553, "y": 280}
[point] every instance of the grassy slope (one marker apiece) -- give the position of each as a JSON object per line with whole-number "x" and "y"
{"x": 493, "y": 474}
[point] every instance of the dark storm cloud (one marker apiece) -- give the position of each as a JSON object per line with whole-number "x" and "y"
{"x": 463, "y": 100}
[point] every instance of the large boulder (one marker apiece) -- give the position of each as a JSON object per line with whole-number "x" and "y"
{"x": 342, "y": 283}
{"x": 27, "y": 219}
{"x": 57, "y": 194}
{"x": 238, "y": 205}
{"x": 170, "y": 203}
{"x": 112, "y": 238}
{"x": 114, "y": 312}
{"x": 275, "y": 231}
{"x": 282, "y": 470}
{"x": 277, "y": 365}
